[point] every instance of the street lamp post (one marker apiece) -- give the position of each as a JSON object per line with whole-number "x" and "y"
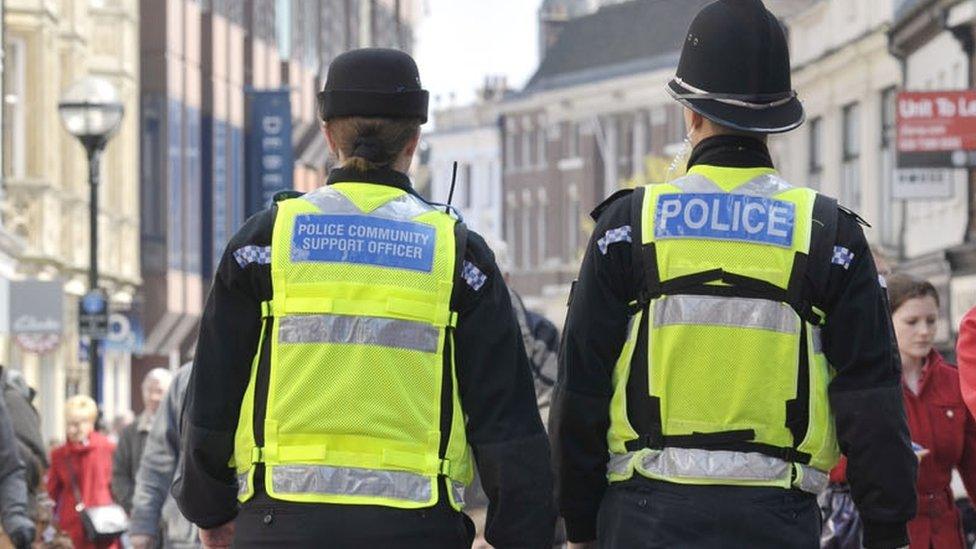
{"x": 92, "y": 112}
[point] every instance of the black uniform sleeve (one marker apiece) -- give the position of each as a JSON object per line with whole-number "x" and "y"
{"x": 594, "y": 335}
{"x": 498, "y": 398}
{"x": 865, "y": 395}
{"x": 206, "y": 489}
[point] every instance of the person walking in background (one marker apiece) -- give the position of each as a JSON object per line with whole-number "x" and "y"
{"x": 942, "y": 428}
{"x": 966, "y": 357}
{"x": 82, "y": 465}
{"x": 26, "y": 423}
{"x": 18, "y": 528}
{"x": 132, "y": 440}
{"x": 155, "y": 520}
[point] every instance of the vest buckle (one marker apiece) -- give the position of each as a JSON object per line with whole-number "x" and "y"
{"x": 444, "y": 468}
{"x": 256, "y": 455}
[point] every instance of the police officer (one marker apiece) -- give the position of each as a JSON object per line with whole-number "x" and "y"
{"x": 358, "y": 357}
{"x": 728, "y": 335}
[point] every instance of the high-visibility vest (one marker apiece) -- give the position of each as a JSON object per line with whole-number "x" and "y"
{"x": 353, "y": 393}
{"x": 734, "y": 390}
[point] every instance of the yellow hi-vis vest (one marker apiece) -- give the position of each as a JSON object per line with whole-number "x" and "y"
{"x": 734, "y": 390}
{"x": 353, "y": 393}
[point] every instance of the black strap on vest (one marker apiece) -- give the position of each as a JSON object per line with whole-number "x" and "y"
{"x": 447, "y": 374}
{"x": 807, "y": 276}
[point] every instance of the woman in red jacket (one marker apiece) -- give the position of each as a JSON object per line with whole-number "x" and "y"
{"x": 85, "y": 459}
{"x": 937, "y": 416}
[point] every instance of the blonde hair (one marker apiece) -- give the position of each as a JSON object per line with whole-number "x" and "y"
{"x": 371, "y": 143}
{"x": 81, "y": 404}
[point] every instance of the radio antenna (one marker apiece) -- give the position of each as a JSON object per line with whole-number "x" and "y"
{"x": 450, "y": 196}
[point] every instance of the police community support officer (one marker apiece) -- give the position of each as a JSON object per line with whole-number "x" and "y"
{"x": 357, "y": 345}
{"x": 726, "y": 332}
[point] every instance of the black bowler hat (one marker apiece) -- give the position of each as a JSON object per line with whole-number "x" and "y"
{"x": 373, "y": 82}
{"x": 735, "y": 69}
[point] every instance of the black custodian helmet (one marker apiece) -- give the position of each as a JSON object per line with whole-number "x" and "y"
{"x": 373, "y": 82}
{"x": 735, "y": 69}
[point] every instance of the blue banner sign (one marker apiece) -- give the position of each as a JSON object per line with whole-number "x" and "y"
{"x": 725, "y": 216}
{"x": 364, "y": 240}
{"x": 269, "y": 152}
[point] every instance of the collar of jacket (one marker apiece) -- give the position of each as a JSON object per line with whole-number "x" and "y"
{"x": 731, "y": 151}
{"x": 382, "y": 176}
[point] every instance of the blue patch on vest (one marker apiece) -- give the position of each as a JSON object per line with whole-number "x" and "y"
{"x": 723, "y": 216}
{"x": 364, "y": 240}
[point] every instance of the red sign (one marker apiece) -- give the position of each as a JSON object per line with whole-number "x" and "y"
{"x": 940, "y": 121}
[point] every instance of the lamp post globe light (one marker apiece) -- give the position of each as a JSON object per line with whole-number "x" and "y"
{"x": 92, "y": 112}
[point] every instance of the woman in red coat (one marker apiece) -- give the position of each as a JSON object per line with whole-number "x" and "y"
{"x": 938, "y": 418}
{"x": 87, "y": 456}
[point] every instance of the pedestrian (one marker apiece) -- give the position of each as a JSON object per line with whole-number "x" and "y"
{"x": 81, "y": 471}
{"x": 18, "y": 528}
{"x": 358, "y": 349}
{"x": 155, "y": 520}
{"x": 966, "y": 356}
{"x": 132, "y": 439}
{"x": 942, "y": 429}
{"x": 26, "y": 423}
{"x": 726, "y": 332}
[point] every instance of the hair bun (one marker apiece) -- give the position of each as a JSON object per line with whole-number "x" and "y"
{"x": 367, "y": 148}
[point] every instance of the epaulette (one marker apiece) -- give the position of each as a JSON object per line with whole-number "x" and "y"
{"x": 853, "y": 214}
{"x": 598, "y": 211}
{"x": 285, "y": 195}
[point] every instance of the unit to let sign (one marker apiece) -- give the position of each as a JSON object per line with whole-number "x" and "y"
{"x": 936, "y": 129}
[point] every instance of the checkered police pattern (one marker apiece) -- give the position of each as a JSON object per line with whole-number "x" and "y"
{"x": 253, "y": 254}
{"x": 842, "y": 257}
{"x": 473, "y": 276}
{"x": 620, "y": 234}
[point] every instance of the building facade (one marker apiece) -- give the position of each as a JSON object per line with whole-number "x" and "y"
{"x": 200, "y": 59}
{"x": 48, "y": 45}
{"x": 593, "y": 119}
{"x": 470, "y": 136}
{"x": 934, "y": 42}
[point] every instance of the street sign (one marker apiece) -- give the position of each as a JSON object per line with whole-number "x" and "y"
{"x": 269, "y": 149}
{"x": 36, "y": 307}
{"x": 936, "y": 129}
{"x": 923, "y": 184}
{"x": 93, "y": 314}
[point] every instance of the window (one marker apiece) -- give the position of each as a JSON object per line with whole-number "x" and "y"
{"x": 464, "y": 187}
{"x": 850, "y": 172}
{"x": 572, "y": 140}
{"x": 14, "y": 96}
{"x": 510, "y": 149}
{"x": 541, "y": 232}
{"x": 541, "y": 139}
{"x": 528, "y": 153}
{"x": 511, "y": 215}
{"x": 815, "y": 166}
{"x": 526, "y": 229}
{"x": 572, "y": 223}
{"x": 888, "y": 134}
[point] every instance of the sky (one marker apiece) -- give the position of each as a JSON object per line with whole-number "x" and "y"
{"x": 459, "y": 42}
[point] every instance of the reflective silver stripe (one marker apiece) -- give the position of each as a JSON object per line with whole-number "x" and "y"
{"x": 619, "y": 464}
{"x": 817, "y": 341}
{"x": 695, "y": 183}
{"x": 331, "y": 201}
{"x": 718, "y": 465}
{"x": 350, "y": 481}
{"x": 767, "y": 185}
{"x": 242, "y": 486}
{"x": 812, "y": 480}
{"x": 362, "y": 330}
{"x": 457, "y": 490}
{"x": 725, "y": 311}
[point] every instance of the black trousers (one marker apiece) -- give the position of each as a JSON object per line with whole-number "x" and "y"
{"x": 266, "y": 522}
{"x": 647, "y": 514}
